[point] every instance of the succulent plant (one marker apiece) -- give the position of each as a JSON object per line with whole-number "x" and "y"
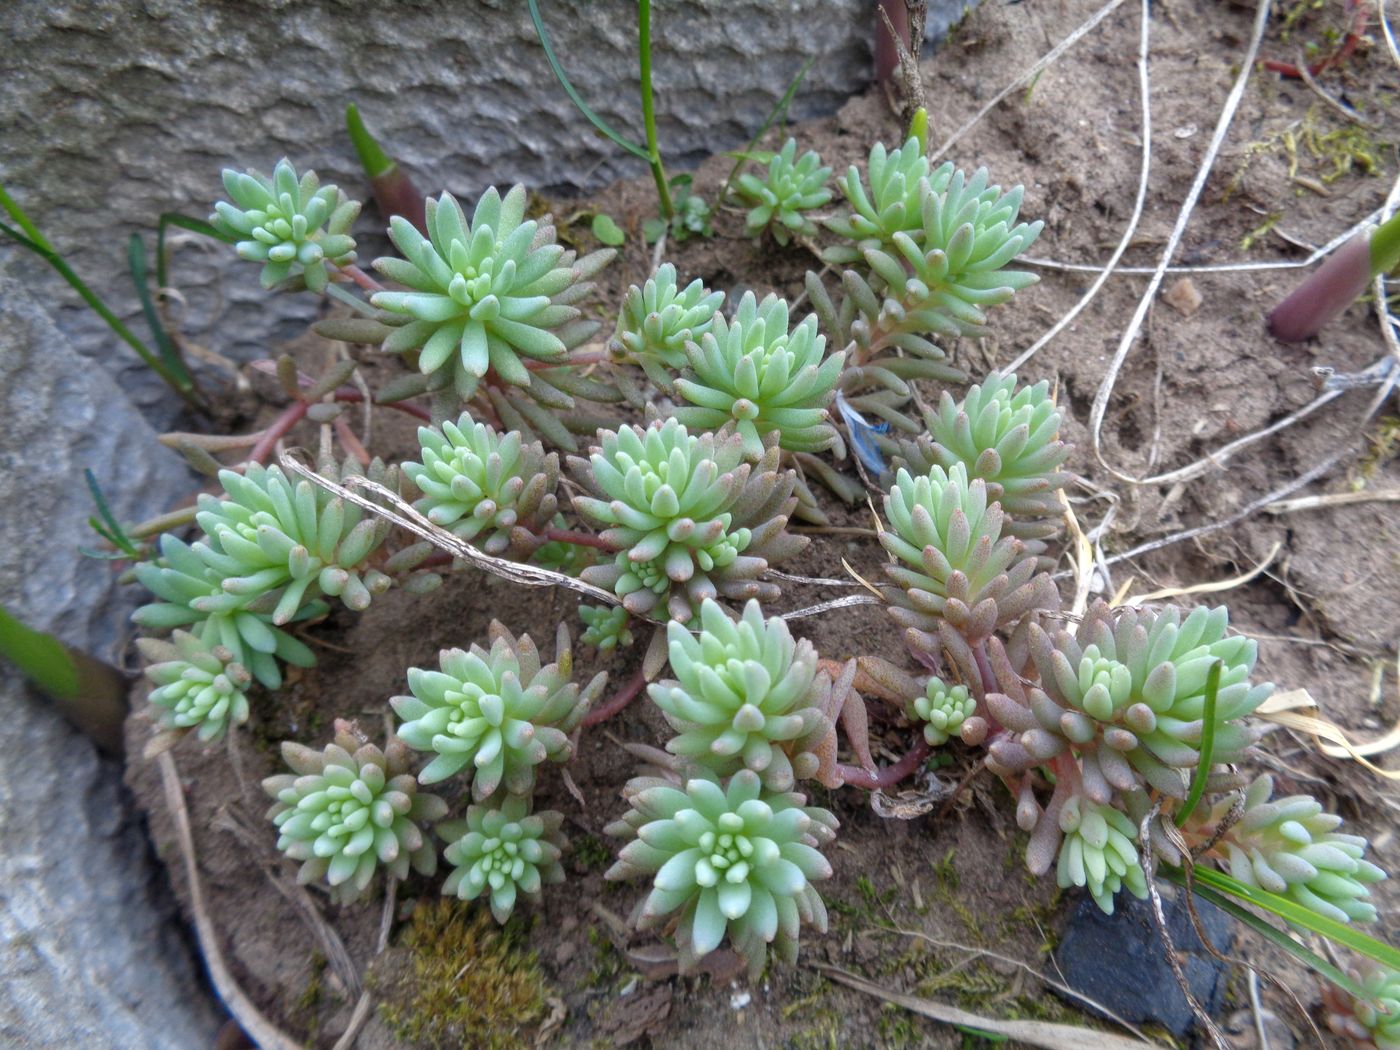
{"x": 296, "y": 540}
{"x": 690, "y": 519}
{"x": 940, "y": 277}
{"x": 954, "y": 565}
{"x": 503, "y": 851}
{"x": 483, "y": 295}
{"x": 499, "y": 712}
{"x": 1099, "y": 852}
{"x": 606, "y": 627}
{"x": 197, "y": 687}
{"x": 893, "y": 204}
{"x": 291, "y": 225}
{"x": 1007, "y": 438}
{"x": 659, "y": 318}
{"x": 183, "y": 583}
{"x": 743, "y": 696}
{"x": 755, "y": 376}
{"x": 725, "y": 859}
{"x": 482, "y": 484}
{"x": 1290, "y": 846}
{"x": 349, "y": 809}
{"x": 1125, "y": 694}
{"x": 791, "y": 187}
{"x": 1374, "y": 1019}
{"x": 942, "y": 709}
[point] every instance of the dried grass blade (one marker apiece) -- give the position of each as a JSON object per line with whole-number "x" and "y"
{"x": 1045, "y": 1034}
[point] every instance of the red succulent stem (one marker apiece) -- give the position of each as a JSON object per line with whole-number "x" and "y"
{"x": 277, "y": 430}
{"x": 624, "y": 696}
{"x": 1349, "y": 44}
{"x": 581, "y": 539}
{"x": 361, "y": 278}
{"x": 879, "y": 780}
{"x": 351, "y": 395}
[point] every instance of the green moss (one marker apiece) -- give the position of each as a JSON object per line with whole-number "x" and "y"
{"x": 590, "y": 853}
{"x": 607, "y": 962}
{"x": 307, "y": 1008}
{"x": 465, "y": 981}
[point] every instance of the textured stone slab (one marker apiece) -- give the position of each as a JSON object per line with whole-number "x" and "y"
{"x": 91, "y": 952}
{"x": 118, "y": 110}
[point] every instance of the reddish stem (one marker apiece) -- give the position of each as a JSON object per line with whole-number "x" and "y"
{"x": 589, "y": 357}
{"x": 351, "y": 443}
{"x": 290, "y": 417}
{"x": 625, "y": 696}
{"x": 1349, "y": 44}
{"x": 581, "y": 539}
{"x": 350, "y": 394}
{"x": 854, "y": 776}
{"x": 361, "y": 278}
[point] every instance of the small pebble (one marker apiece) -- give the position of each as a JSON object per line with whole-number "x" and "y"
{"x": 1183, "y": 297}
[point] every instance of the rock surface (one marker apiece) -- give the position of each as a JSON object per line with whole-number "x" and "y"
{"x": 91, "y": 952}
{"x": 1118, "y": 960}
{"x": 123, "y": 109}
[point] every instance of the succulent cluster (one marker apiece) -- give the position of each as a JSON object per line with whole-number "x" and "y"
{"x": 1125, "y": 694}
{"x": 298, "y": 541}
{"x": 293, "y": 226}
{"x": 931, "y": 250}
{"x": 197, "y": 686}
{"x": 1291, "y": 847}
{"x": 689, "y": 518}
{"x": 499, "y": 712}
{"x": 943, "y": 710}
{"x": 791, "y": 187}
{"x": 659, "y": 318}
{"x": 185, "y": 586}
{"x": 1372, "y": 1019}
{"x": 752, "y": 375}
{"x": 955, "y": 568}
{"x": 606, "y": 627}
{"x": 745, "y": 696}
{"x": 1098, "y": 729}
{"x": 349, "y": 809}
{"x": 1005, "y": 437}
{"x": 503, "y": 852}
{"x": 899, "y": 181}
{"x": 481, "y": 484}
{"x": 489, "y": 294}
{"x": 725, "y": 859}
{"x": 1099, "y": 852}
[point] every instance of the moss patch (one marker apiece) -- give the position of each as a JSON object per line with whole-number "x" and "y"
{"x": 456, "y": 979}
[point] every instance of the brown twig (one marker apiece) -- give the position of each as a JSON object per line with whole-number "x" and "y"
{"x": 262, "y": 1031}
